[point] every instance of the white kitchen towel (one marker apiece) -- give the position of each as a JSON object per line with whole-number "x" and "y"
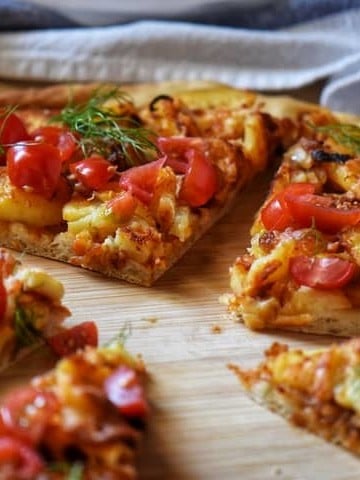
{"x": 161, "y": 50}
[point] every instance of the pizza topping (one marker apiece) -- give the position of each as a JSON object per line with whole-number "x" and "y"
{"x": 21, "y": 461}
{"x": 276, "y": 214}
{"x": 140, "y": 181}
{"x": 12, "y": 129}
{"x": 327, "y": 213}
{"x": 25, "y": 331}
{"x": 322, "y": 156}
{"x": 344, "y": 134}
{"x": 124, "y": 390}
{"x": 25, "y": 413}
{"x": 123, "y": 205}
{"x": 188, "y": 156}
{"x": 106, "y": 121}
{"x": 34, "y": 167}
{"x": 322, "y": 272}
{"x": 59, "y": 137}
{"x": 93, "y": 173}
{"x": 73, "y": 339}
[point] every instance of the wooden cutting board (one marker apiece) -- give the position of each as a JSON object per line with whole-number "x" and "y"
{"x": 202, "y": 427}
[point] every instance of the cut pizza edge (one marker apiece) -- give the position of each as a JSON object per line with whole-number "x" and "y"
{"x": 316, "y": 390}
{"x": 33, "y": 314}
{"x": 301, "y": 269}
{"x": 86, "y": 416}
{"x": 139, "y": 240}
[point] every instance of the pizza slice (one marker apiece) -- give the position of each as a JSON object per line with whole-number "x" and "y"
{"x": 316, "y": 390}
{"x": 31, "y": 311}
{"x": 301, "y": 271}
{"x": 83, "y": 419}
{"x": 122, "y": 184}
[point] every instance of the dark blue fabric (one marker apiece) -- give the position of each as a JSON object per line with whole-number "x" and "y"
{"x": 22, "y": 15}
{"x": 19, "y": 15}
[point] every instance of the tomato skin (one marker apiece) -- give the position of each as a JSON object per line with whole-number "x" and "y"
{"x": 59, "y": 137}
{"x": 3, "y": 301}
{"x": 176, "y": 148}
{"x": 187, "y": 155}
{"x": 12, "y": 129}
{"x": 140, "y": 181}
{"x": 200, "y": 181}
{"x": 25, "y": 462}
{"x": 316, "y": 210}
{"x": 35, "y": 166}
{"x": 73, "y": 339}
{"x": 27, "y": 424}
{"x": 275, "y": 215}
{"x": 322, "y": 272}
{"x": 93, "y": 172}
{"x": 124, "y": 390}
{"x": 123, "y": 205}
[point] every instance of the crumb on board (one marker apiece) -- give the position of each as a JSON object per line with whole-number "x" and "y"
{"x": 151, "y": 320}
{"x": 216, "y": 329}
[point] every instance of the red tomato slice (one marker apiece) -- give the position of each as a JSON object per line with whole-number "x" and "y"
{"x": 123, "y": 205}
{"x": 12, "y": 129}
{"x": 59, "y": 137}
{"x": 276, "y": 215}
{"x": 3, "y": 301}
{"x": 322, "y": 272}
{"x": 308, "y": 210}
{"x": 25, "y": 413}
{"x": 36, "y": 167}
{"x": 176, "y": 148}
{"x": 200, "y": 181}
{"x": 140, "y": 181}
{"x": 73, "y": 339}
{"x": 94, "y": 172}
{"x": 124, "y": 390}
{"x": 24, "y": 463}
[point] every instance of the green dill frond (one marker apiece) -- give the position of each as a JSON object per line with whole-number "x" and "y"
{"x": 4, "y": 115}
{"x": 102, "y": 130}
{"x": 121, "y": 337}
{"x": 343, "y": 133}
{"x": 25, "y": 332}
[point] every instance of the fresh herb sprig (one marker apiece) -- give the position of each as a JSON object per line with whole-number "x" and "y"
{"x": 4, "y": 115}
{"x": 343, "y": 133}
{"x": 102, "y": 130}
{"x": 72, "y": 471}
{"x": 25, "y": 331}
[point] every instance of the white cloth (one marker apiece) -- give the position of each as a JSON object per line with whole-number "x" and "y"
{"x": 156, "y": 51}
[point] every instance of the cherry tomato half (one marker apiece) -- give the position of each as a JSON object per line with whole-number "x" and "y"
{"x": 175, "y": 149}
{"x": 276, "y": 215}
{"x": 187, "y": 155}
{"x": 12, "y": 129}
{"x": 3, "y": 301}
{"x": 23, "y": 462}
{"x": 141, "y": 181}
{"x": 200, "y": 181}
{"x": 312, "y": 209}
{"x": 322, "y": 272}
{"x": 59, "y": 137}
{"x": 25, "y": 413}
{"x": 124, "y": 390}
{"x": 34, "y": 166}
{"x": 93, "y": 172}
{"x": 76, "y": 338}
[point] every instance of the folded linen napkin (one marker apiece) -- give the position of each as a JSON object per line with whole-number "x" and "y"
{"x": 327, "y": 47}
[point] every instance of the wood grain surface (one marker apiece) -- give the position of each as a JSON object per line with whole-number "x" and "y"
{"x": 202, "y": 427}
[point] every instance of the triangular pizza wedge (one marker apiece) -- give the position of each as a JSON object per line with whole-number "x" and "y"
{"x": 314, "y": 389}
{"x": 83, "y": 419}
{"x": 302, "y": 269}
